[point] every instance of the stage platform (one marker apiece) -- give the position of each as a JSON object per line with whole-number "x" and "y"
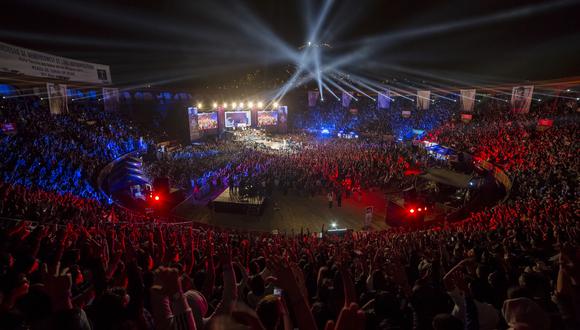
{"x": 229, "y": 202}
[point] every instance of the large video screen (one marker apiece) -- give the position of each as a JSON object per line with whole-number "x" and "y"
{"x": 267, "y": 118}
{"x": 207, "y": 120}
{"x": 238, "y": 118}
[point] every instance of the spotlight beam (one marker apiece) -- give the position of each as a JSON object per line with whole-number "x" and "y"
{"x": 344, "y": 82}
{"x": 329, "y": 80}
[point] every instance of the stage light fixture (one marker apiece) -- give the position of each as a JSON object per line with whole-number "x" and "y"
{"x": 251, "y": 104}
{"x": 242, "y": 105}
{"x": 225, "y": 105}
{"x": 412, "y": 211}
{"x": 420, "y": 209}
{"x": 333, "y": 225}
{"x": 234, "y": 105}
{"x": 260, "y": 104}
{"x": 156, "y": 197}
{"x": 275, "y": 104}
{"x": 214, "y": 105}
{"x": 199, "y": 105}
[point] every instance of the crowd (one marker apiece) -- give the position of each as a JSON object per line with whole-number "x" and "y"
{"x": 61, "y": 153}
{"x": 312, "y": 166}
{"x": 73, "y": 262}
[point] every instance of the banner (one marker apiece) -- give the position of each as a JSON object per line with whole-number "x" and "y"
{"x": 383, "y": 100}
{"x": 57, "y": 98}
{"x": 111, "y": 99}
{"x": 466, "y": 117}
{"x": 312, "y": 98}
{"x": 194, "y": 133}
{"x": 346, "y": 98}
{"x": 467, "y": 99}
{"x": 406, "y": 114}
{"x": 28, "y": 62}
{"x": 544, "y": 124}
{"x": 423, "y": 99}
{"x": 522, "y": 99}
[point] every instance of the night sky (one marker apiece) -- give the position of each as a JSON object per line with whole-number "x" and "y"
{"x": 203, "y": 44}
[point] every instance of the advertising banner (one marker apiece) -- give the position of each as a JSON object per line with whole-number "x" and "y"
{"x": 383, "y": 100}
{"x": 467, "y": 99}
{"x": 423, "y": 99}
{"x": 111, "y": 99}
{"x": 194, "y": 133}
{"x": 346, "y": 98}
{"x": 29, "y": 62}
{"x": 57, "y": 98}
{"x": 522, "y": 98}
{"x": 312, "y": 98}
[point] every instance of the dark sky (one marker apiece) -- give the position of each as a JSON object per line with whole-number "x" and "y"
{"x": 204, "y": 43}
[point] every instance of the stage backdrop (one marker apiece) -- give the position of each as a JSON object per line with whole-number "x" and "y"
{"x": 38, "y": 64}
{"x": 57, "y": 98}
{"x": 423, "y": 99}
{"x": 467, "y": 99}
{"x": 194, "y": 133}
{"x": 522, "y": 98}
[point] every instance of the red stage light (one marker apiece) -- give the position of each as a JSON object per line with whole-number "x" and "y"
{"x": 425, "y": 208}
{"x": 412, "y": 210}
{"x": 419, "y": 210}
{"x": 156, "y": 197}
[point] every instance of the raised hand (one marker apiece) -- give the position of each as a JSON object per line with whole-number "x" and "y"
{"x": 58, "y": 288}
{"x": 350, "y": 318}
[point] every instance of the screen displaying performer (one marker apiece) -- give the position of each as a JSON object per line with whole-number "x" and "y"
{"x": 267, "y": 118}
{"x": 207, "y": 120}
{"x": 238, "y": 119}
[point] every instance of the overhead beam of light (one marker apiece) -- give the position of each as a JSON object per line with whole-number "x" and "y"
{"x": 379, "y": 86}
{"x": 318, "y": 73}
{"x": 344, "y": 82}
{"x": 330, "y": 91}
{"x": 313, "y": 34}
{"x": 331, "y": 82}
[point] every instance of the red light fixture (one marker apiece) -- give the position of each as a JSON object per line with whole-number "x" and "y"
{"x": 412, "y": 210}
{"x": 156, "y": 197}
{"x": 425, "y": 208}
{"x": 419, "y": 210}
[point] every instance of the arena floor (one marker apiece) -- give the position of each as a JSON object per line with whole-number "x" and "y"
{"x": 292, "y": 212}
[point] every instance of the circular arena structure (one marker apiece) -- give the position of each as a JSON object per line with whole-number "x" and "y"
{"x": 182, "y": 165}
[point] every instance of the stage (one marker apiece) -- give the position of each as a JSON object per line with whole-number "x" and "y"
{"x": 230, "y": 202}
